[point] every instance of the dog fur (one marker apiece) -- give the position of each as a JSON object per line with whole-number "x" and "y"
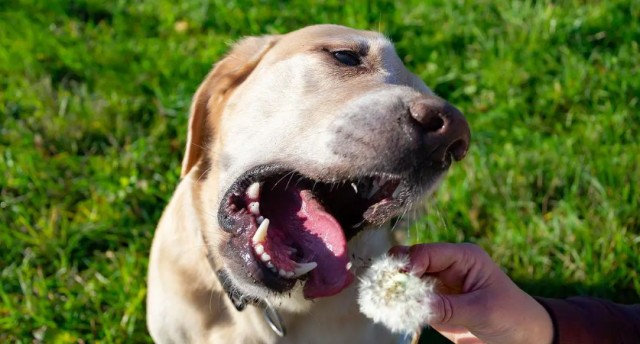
{"x": 276, "y": 99}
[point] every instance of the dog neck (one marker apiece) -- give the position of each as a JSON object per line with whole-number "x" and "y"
{"x": 240, "y": 301}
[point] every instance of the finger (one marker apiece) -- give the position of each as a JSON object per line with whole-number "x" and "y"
{"x": 460, "y": 267}
{"x": 454, "y": 310}
{"x": 399, "y": 250}
{"x": 434, "y": 258}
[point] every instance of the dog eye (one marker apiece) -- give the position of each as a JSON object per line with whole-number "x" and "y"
{"x": 348, "y": 58}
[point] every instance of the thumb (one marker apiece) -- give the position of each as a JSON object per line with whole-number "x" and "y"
{"x": 454, "y": 309}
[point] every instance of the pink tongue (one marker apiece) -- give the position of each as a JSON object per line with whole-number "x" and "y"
{"x": 319, "y": 235}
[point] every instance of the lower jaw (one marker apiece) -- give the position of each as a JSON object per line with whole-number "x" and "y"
{"x": 366, "y": 245}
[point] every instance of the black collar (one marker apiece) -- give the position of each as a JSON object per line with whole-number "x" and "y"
{"x": 240, "y": 301}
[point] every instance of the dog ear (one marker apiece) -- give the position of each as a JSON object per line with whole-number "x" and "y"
{"x": 209, "y": 100}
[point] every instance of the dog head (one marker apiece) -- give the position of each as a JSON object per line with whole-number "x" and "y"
{"x": 298, "y": 142}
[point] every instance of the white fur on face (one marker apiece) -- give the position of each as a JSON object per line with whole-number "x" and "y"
{"x": 286, "y": 111}
{"x": 271, "y": 119}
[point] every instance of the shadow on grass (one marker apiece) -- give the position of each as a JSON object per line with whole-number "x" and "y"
{"x": 555, "y": 288}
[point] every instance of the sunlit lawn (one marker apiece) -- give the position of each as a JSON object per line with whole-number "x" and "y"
{"x": 93, "y": 112}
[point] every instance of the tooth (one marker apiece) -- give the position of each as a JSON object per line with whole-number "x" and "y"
{"x": 290, "y": 250}
{"x": 303, "y": 268}
{"x": 259, "y": 219}
{"x": 253, "y": 191}
{"x": 261, "y": 233}
{"x": 265, "y": 257}
{"x": 374, "y": 189}
{"x": 254, "y": 208}
{"x": 282, "y": 273}
{"x": 396, "y": 192}
{"x": 355, "y": 187}
{"x": 259, "y": 249}
{"x": 270, "y": 265}
{"x": 349, "y": 265}
{"x": 290, "y": 274}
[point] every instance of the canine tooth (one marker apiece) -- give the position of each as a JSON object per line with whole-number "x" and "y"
{"x": 290, "y": 274}
{"x": 261, "y": 232}
{"x": 259, "y": 219}
{"x": 254, "y": 208}
{"x": 253, "y": 191}
{"x": 265, "y": 257}
{"x": 282, "y": 273}
{"x": 355, "y": 187}
{"x": 349, "y": 265}
{"x": 259, "y": 248}
{"x": 396, "y": 192}
{"x": 303, "y": 268}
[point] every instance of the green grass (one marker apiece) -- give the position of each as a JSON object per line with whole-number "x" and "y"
{"x": 93, "y": 112}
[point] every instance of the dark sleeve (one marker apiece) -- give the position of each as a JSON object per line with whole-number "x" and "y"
{"x": 589, "y": 320}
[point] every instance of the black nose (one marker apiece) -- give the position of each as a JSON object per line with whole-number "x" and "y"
{"x": 443, "y": 128}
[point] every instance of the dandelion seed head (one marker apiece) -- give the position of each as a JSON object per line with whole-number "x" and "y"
{"x": 390, "y": 295}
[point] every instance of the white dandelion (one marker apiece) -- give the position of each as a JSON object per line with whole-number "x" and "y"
{"x": 399, "y": 300}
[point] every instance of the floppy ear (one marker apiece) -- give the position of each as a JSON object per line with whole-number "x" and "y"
{"x": 209, "y": 100}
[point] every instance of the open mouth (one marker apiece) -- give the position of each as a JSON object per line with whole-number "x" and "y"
{"x": 287, "y": 227}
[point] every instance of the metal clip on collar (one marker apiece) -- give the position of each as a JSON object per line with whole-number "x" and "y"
{"x": 240, "y": 302}
{"x": 273, "y": 319}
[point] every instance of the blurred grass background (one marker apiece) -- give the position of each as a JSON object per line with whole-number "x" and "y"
{"x": 93, "y": 112}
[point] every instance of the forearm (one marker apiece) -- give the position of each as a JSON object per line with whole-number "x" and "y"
{"x": 588, "y": 320}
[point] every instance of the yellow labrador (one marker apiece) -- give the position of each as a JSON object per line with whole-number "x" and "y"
{"x": 301, "y": 149}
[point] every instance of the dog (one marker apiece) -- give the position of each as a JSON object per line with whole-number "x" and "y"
{"x": 301, "y": 149}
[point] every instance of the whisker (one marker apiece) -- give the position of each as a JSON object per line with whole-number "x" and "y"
{"x": 399, "y": 219}
{"x": 289, "y": 182}
{"x": 199, "y": 146}
{"x": 203, "y": 173}
{"x": 281, "y": 179}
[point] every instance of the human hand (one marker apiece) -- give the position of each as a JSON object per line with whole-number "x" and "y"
{"x": 477, "y": 303}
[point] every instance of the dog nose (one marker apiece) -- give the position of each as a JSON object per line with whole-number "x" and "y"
{"x": 443, "y": 128}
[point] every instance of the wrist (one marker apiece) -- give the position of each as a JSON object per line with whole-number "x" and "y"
{"x": 522, "y": 320}
{"x": 539, "y": 326}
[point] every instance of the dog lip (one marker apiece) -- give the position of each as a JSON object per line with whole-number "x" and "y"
{"x": 400, "y": 194}
{"x": 239, "y": 214}
{"x": 239, "y": 220}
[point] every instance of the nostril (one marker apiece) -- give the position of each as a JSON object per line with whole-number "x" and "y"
{"x": 429, "y": 113}
{"x": 458, "y": 149}
{"x": 433, "y": 123}
{"x": 444, "y": 133}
